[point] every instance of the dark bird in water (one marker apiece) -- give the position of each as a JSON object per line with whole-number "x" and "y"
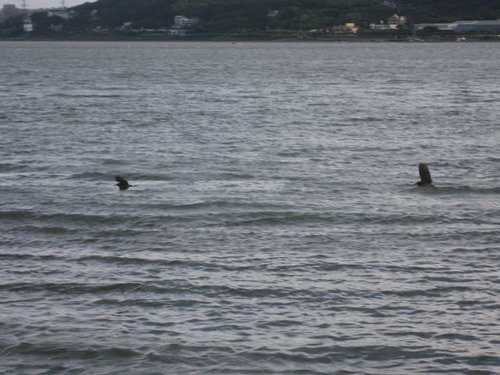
{"x": 122, "y": 183}
{"x": 425, "y": 175}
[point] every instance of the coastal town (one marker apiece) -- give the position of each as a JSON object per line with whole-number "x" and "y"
{"x": 65, "y": 22}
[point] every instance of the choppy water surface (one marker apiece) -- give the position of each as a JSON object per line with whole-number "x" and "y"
{"x": 274, "y": 227}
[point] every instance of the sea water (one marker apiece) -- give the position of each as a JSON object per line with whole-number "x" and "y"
{"x": 274, "y": 225}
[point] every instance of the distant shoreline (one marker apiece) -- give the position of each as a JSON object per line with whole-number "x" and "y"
{"x": 235, "y": 39}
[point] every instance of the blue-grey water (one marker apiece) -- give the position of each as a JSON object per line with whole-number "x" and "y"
{"x": 274, "y": 227}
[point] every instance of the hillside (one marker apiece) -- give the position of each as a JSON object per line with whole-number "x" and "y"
{"x": 229, "y": 15}
{"x": 255, "y": 16}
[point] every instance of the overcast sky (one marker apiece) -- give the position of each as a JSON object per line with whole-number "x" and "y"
{"x": 34, "y": 4}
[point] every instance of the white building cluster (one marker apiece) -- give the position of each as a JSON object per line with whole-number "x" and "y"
{"x": 392, "y": 23}
{"x": 463, "y": 26}
{"x": 396, "y": 21}
{"x": 182, "y": 24}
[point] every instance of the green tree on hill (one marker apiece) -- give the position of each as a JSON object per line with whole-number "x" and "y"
{"x": 258, "y": 16}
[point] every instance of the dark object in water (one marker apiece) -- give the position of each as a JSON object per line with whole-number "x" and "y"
{"x": 425, "y": 175}
{"x": 122, "y": 183}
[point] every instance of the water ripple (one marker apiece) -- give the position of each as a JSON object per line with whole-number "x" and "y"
{"x": 274, "y": 225}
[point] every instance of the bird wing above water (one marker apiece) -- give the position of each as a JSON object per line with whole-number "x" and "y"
{"x": 121, "y": 180}
{"x": 425, "y": 174}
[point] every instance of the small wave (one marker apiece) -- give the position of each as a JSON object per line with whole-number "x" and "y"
{"x": 456, "y": 336}
{"x": 464, "y": 189}
{"x": 206, "y": 290}
{"x": 49, "y": 349}
{"x": 263, "y": 292}
{"x": 468, "y": 189}
{"x": 90, "y": 175}
{"x": 223, "y": 204}
{"x": 152, "y": 177}
{"x": 81, "y": 288}
{"x": 13, "y": 256}
{"x": 293, "y": 217}
{"x": 319, "y": 104}
{"x": 129, "y": 302}
{"x": 207, "y": 266}
{"x": 63, "y": 217}
{"x": 184, "y": 206}
{"x": 324, "y": 354}
{"x": 290, "y": 154}
{"x": 113, "y": 221}
{"x": 84, "y": 96}
{"x": 142, "y": 302}
{"x": 365, "y": 119}
{"x": 437, "y": 291}
{"x": 69, "y": 351}
{"x": 419, "y": 334}
{"x": 230, "y": 213}
{"x": 309, "y": 267}
{"x": 137, "y": 287}
{"x": 127, "y": 260}
{"x": 20, "y": 214}
{"x": 276, "y": 218}
{"x": 114, "y": 162}
{"x": 8, "y": 167}
{"x": 236, "y": 176}
{"x": 44, "y": 229}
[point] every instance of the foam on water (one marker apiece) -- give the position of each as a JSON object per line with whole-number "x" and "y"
{"x": 274, "y": 225}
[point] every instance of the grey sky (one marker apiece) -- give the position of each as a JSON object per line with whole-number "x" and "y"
{"x": 33, "y": 4}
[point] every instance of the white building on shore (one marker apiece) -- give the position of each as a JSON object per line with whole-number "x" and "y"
{"x": 182, "y": 24}
{"x": 463, "y": 26}
{"x": 27, "y": 25}
{"x": 392, "y": 23}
